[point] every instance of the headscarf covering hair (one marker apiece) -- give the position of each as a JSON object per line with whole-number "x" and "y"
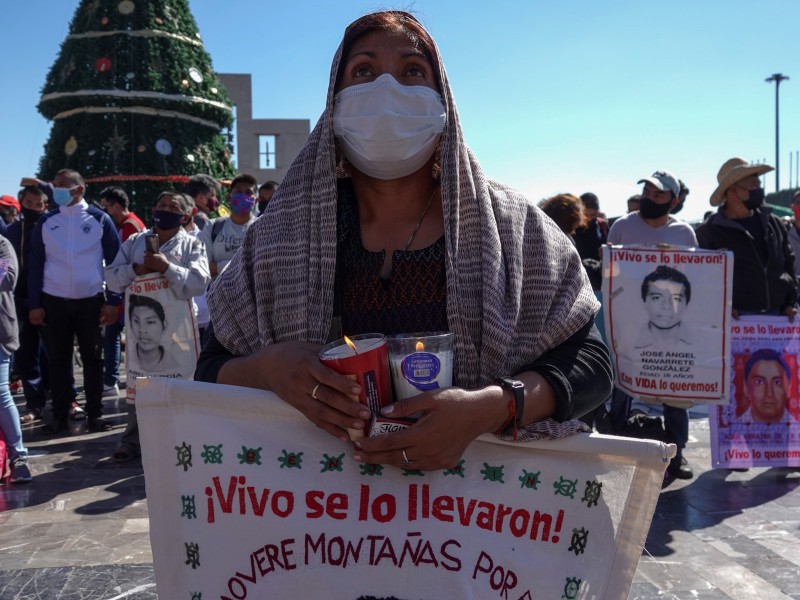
{"x": 515, "y": 284}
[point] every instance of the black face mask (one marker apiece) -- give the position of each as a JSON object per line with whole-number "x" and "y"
{"x": 652, "y": 210}
{"x": 755, "y": 199}
{"x": 31, "y": 215}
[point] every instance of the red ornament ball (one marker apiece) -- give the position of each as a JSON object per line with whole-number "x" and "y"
{"x": 159, "y": 21}
{"x": 104, "y": 21}
{"x": 102, "y": 65}
{"x": 141, "y": 148}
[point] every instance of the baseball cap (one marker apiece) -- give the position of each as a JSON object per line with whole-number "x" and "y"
{"x": 664, "y": 181}
{"x": 6, "y": 200}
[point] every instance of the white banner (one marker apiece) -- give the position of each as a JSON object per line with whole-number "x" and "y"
{"x": 161, "y": 332}
{"x": 248, "y": 499}
{"x": 667, "y": 315}
{"x": 760, "y": 427}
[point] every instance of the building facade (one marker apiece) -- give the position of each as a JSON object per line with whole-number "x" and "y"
{"x": 264, "y": 148}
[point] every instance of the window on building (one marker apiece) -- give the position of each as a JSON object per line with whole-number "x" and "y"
{"x": 229, "y": 133}
{"x": 266, "y": 152}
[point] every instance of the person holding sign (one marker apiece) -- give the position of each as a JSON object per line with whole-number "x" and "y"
{"x": 763, "y": 260}
{"x": 652, "y": 224}
{"x": 386, "y": 223}
{"x": 160, "y": 270}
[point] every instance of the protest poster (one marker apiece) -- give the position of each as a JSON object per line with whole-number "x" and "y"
{"x": 760, "y": 426}
{"x": 667, "y": 314}
{"x": 248, "y": 499}
{"x": 161, "y": 332}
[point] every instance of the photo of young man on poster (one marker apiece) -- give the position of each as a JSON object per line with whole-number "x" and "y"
{"x": 767, "y": 379}
{"x": 666, "y": 293}
{"x": 147, "y": 323}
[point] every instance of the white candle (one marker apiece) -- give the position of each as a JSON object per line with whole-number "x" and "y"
{"x": 420, "y": 363}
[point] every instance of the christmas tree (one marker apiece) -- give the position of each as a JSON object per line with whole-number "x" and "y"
{"x": 135, "y": 101}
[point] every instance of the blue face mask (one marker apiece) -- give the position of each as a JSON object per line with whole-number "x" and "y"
{"x": 165, "y": 219}
{"x": 62, "y": 196}
{"x": 241, "y": 202}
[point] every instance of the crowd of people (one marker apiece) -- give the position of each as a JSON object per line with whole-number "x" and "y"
{"x": 384, "y": 222}
{"x": 765, "y": 272}
{"x": 67, "y": 261}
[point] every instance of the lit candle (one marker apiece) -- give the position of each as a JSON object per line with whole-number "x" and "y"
{"x": 364, "y": 359}
{"x": 420, "y": 362}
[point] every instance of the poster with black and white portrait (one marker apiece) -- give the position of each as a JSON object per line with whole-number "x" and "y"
{"x": 161, "y": 332}
{"x": 668, "y": 317}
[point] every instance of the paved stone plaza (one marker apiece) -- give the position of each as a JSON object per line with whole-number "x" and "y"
{"x": 80, "y": 529}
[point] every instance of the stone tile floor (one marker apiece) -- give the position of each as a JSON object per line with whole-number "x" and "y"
{"x": 80, "y": 529}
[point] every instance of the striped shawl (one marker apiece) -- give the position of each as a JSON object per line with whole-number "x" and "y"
{"x": 515, "y": 284}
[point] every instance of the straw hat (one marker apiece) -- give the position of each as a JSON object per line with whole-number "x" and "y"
{"x": 735, "y": 169}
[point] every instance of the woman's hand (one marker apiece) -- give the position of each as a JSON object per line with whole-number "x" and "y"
{"x": 293, "y": 371}
{"x": 452, "y": 418}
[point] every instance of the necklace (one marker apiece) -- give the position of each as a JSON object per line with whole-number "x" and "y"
{"x": 419, "y": 223}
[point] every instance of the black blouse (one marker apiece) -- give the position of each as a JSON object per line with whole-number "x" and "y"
{"x": 412, "y": 298}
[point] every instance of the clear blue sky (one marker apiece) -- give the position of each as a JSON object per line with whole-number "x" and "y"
{"x": 570, "y": 96}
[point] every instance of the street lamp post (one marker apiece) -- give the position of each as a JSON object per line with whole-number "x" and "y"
{"x": 777, "y": 78}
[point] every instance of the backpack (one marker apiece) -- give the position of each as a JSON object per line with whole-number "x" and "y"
{"x": 217, "y": 227}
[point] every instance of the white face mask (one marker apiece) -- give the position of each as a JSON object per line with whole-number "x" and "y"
{"x": 388, "y": 130}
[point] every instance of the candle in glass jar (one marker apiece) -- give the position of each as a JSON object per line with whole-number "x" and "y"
{"x": 366, "y": 362}
{"x": 420, "y": 362}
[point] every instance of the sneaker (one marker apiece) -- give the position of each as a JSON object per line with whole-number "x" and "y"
{"x": 30, "y": 416}
{"x": 98, "y": 424}
{"x": 76, "y": 413}
{"x": 111, "y": 391}
{"x": 20, "y": 473}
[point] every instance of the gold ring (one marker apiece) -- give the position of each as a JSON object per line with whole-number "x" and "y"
{"x": 314, "y": 391}
{"x": 405, "y": 458}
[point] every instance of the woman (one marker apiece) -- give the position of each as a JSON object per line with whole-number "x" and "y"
{"x": 9, "y": 342}
{"x": 181, "y": 260}
{"x": 566, "y": 210}
{"x": 394, "y": 227}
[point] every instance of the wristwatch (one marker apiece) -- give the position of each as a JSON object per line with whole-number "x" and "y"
{"x": 518, "y": 388}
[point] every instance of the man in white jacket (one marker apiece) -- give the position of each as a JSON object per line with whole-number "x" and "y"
{"x": 66, "y": 293}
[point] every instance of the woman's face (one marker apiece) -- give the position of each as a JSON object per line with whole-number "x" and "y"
{"x": 382, "y": 52}
{"x": 147, "y": 327}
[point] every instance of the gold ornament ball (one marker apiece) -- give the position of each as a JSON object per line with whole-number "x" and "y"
{"x": 185, "y": 83}
{"x": 126, "y": 7}
{"x": 71, "y": 146}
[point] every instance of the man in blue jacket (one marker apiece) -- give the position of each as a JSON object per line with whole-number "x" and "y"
{"x": 66, "y": 293}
